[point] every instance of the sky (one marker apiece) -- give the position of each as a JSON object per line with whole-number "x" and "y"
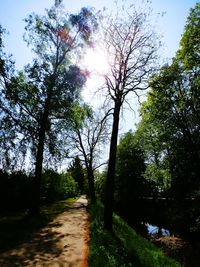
{"x": 12, "y": 13}
{"x": 171, "y": 26}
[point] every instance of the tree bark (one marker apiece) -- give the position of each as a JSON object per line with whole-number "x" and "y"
{"x": 91, "y": 184}
{"x": 110, "y": 180}
{"x": 34, "y": 208}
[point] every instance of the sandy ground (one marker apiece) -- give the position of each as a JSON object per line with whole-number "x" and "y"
{"x": 62, "y": 243}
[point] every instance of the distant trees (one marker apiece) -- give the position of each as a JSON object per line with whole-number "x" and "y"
{"x": 15, "y": 188}
{"x": 77, "y": 172}
{"x": 37, "y": 102}
{"x": 57, "y": 186}
{"x": 131, "y": 45}
{"x": 88, "y": 139}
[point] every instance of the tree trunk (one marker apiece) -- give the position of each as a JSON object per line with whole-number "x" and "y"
{"x": 91, "y": 184}
{"x": 34, "y": 208}
{"x": 110, "y": 180}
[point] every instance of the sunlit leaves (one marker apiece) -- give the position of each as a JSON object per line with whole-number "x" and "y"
{"x": 85, "y": 23}
{"x": 189, "y": 52}
{"x": 43, "y": 95}
{"x": 59, "y": 29}
{"x": 170, "y": 125}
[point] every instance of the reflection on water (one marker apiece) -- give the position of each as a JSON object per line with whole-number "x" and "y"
{"x": 152, "y": 229}
{"x": 156, "y": 231}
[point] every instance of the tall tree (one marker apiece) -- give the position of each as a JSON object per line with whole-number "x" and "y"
{"x": 7, "y": 131}
{"x": 42, "y": 95}
{"x": 172, "y": 112}
{"x": 131, "y": 46}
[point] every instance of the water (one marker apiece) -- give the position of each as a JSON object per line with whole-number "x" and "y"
{"x": 156, "y": 231}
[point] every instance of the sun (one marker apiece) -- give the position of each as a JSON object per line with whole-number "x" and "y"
{"x": 96, "y": 61}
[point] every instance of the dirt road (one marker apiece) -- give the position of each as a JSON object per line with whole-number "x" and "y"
{"x": 62, "y": 243}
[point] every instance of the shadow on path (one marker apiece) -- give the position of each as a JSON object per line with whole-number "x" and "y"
{"x": 60, "y": 243}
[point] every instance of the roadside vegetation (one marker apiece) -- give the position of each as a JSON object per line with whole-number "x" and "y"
{"x": 123, "y": 247}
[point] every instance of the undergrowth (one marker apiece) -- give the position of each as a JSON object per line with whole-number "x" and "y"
{"x": 122, "y": 248}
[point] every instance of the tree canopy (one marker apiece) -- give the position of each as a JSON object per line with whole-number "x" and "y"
{"x": 170, "y": 115}
{"x": 39, "y": 99}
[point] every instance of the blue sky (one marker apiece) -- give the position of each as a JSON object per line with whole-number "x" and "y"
{"x": 171, "y": 26}
{"x": 13, "y": 12}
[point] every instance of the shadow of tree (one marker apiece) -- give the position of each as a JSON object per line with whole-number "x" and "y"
{"x": 52, "y": 245}
{"x": 43, "y": 245}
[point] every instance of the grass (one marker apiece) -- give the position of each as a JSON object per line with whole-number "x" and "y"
{"x": 124, "y": 247}
{"x": 16, "y": 227}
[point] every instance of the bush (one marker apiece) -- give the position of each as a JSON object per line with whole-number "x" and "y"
{"x": 70, "y": 188}
{"x": 122, "y": 248}
{"x": 57, "y": 186}
{"x": 100, "y": 179}
{"x": 14, "y": 190}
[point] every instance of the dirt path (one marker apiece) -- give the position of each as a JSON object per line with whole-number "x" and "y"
{"x": 62, "y": 243}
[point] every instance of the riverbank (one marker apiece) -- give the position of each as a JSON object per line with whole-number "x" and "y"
{"x": 124, "y": 247}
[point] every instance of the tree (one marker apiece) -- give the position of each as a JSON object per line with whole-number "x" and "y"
{"x": 189, "y": 50}
{"x": 56, "y": 186}
{"x": 7, "y": 132}
{"x": 38, "y": 100}
{"x": 130, "y": 169}
{"x": 87, "y": 139}
{"x": 76, "y": 171}
{"x": 168, "y": 114}
{"x": 132, "y": 47}
{"x": 172, "y": 113}
{"x": 149, "y": 136}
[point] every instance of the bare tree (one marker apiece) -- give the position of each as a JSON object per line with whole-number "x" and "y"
{"x": 88, "y": 141}
{"x": 131, "y": 46}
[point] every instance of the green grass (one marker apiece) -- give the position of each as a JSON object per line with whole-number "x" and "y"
{"x": 16, "y": 227}
{"x": 124, "y": 247}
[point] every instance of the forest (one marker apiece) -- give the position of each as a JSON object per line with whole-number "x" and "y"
{"x": 54, "y": 143}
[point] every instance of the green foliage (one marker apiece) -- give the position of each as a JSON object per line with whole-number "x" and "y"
{"x": 100, "y": 179}
{"x": 122, "y": 248}
{"x": 38, "y": 102}
{"x": 130, "y": 158}
{"x": 130, "y": 168}
{"x": 57, "y": 186}
{"x": 159, "y": 174}
{"x": 16, "y": 188}
{"x": 2, "y": 56}
{"x": 76, "y": 171}
{"x": 70, "y": 187}
{"x": 169, "y": 130}
{"x": 190, "y": 49}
